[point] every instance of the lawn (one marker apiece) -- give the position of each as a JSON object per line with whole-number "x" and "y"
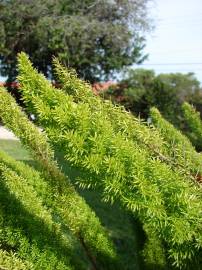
{"x": 120, "y": 225}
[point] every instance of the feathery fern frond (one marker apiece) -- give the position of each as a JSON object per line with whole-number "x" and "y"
{"x": 153, "y": 190}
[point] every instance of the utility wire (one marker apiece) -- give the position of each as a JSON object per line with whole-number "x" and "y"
{"x": 189, "y": 16}
{"x": 170, "y": 64}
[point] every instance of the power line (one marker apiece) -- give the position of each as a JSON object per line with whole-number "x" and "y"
{"x": 191, "y": 15}
{"x": 183, "y": 20}
{"x": 176, "y": 69}
{"x": 170, "y": 64}
{"x": 171, "y": 52}
{"x": 176, "y": 27}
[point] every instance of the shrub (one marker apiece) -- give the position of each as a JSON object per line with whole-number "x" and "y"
{"x": 179, "y": 148}
{"x": 163, "y": 198}
{"x": 193, "y": 120}
{"x": 72, "y": 208}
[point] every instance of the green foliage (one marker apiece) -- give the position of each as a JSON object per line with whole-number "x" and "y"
{"x": 27, "y": 226}
{"x": 71, "y": 207}
{"x": 178, "y": 147}
{"x": 143, "y": 89}
{"x": 153, "y": 253}
{"x": 122, "y": 121}
{"x": 9, "y": 260}
{"x": 147, "y": 136}
{"x": 97, "y": 38}
{"x": 193, "y": 120}
{"x": 120, "y": 225}
{"x": 162, "y": 197}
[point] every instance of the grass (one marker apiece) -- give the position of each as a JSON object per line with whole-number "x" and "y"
{"x": 120, "y": 225}
{"x": 14, "y": 149}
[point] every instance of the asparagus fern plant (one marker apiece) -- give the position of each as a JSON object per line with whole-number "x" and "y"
{"x": 120, "y": 162}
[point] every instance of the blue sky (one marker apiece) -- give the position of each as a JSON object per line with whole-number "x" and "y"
{"x": 175, "y": 45}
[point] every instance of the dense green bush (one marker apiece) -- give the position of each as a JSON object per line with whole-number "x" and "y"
{"x": 142, "y": 89}
{"x": 150, "y": 171}
{"x": 179, "y": 148}
{"x": 175, "y": 149}
{"x": 193, "y": 120}
{"x": 22, "y": 213}
{"x": 163, "y": 197}
{"x": 9, "y": 260}
{"x": 73, "y": 210}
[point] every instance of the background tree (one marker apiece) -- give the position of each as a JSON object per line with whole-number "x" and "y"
{"x": 142, "y": 89}
{"x": 97, "y": 38}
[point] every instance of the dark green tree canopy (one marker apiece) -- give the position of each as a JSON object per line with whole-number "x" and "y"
{"x": 143, "y": 89}
{"x": 97, "y": 38}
